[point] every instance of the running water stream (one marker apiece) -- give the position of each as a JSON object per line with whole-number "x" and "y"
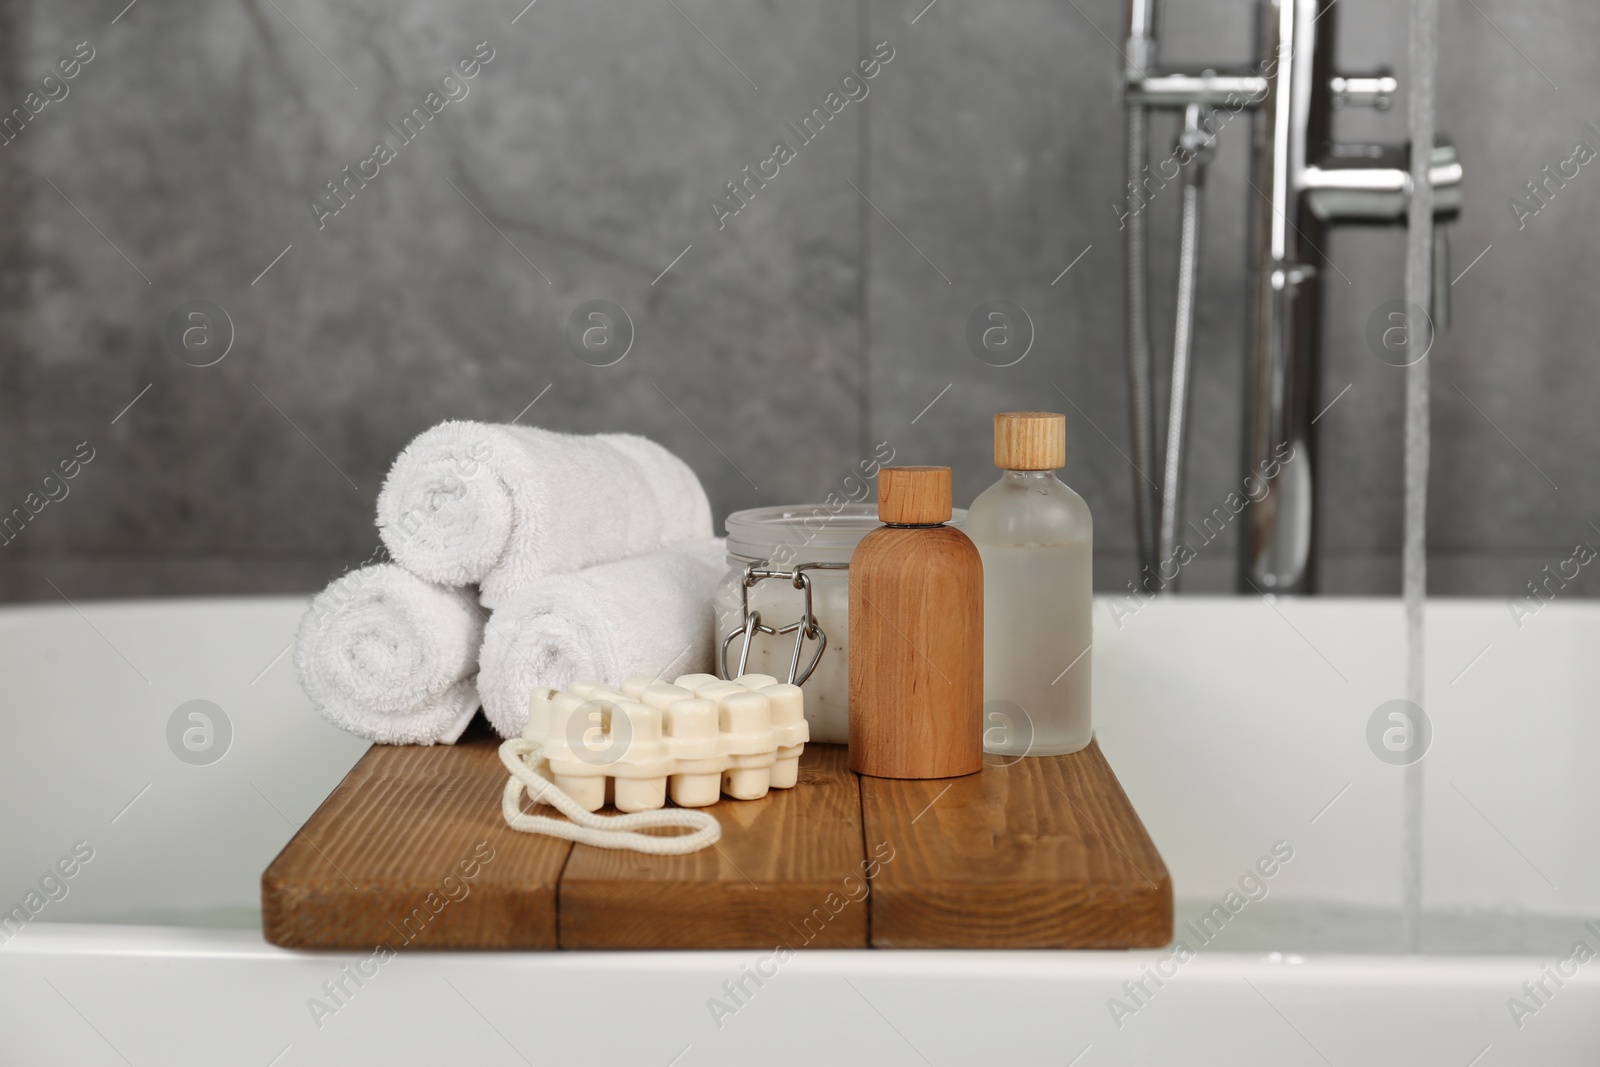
{"x": 1424, "y": 53}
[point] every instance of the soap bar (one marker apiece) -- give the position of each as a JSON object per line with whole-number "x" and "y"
{"x": 695, "y": 739}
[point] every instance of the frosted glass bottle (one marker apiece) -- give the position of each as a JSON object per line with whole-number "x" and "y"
{"x": 1036, "y": 538}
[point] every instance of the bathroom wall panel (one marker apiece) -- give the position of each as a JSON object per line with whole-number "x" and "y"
{"x": 1514, "y": 384}
{"x": 185, "y": 156}
{"x": 984, "y": 187}
{"x": 1516, "y": 453}
{"x": 996, "y": 155}
{"x": 578, "y": 166}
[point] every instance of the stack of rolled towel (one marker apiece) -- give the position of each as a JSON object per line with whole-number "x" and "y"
{"x": 522, "y": 558}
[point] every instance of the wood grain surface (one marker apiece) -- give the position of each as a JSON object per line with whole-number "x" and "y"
{"x": 1030, "y": 440}
{"x": 917, "y": 495}
{"x": 410, "y": 851}
{"x": 788, "y": 870}
{"x": 916, "y": 654}
{"x": 1045, "y": 852}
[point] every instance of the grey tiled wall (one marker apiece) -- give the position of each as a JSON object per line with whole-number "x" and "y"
{"x": 784, "y": 341}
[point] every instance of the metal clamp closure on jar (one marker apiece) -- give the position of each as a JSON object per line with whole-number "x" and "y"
{"x": 804, "y": 627}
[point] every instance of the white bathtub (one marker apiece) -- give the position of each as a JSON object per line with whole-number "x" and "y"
{"x": 1233, "y": 725}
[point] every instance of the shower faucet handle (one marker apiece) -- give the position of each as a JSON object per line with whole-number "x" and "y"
{"x": 1372, "y": 183}
{"x": 1374, "y": 90}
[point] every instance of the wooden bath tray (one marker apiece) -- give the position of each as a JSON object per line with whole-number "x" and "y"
{"x": 410, "y": 851}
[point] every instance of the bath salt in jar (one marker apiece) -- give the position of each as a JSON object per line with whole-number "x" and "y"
{"x": 803, "y": 537}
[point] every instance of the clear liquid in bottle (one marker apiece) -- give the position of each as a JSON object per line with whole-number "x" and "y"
{"x": 1036, "y": 538}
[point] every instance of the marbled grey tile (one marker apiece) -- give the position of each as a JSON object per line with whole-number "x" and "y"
{"x": 1555, "y": 573}
{"x": 989, "y": 180}
{"x": 1212, "y": 571}
{"x": 1360, "y": 574}
{"x": 1003, "y": 189}
{"x": 1513, "y": 385}
{"x": 578, "y": 166}
{"x": 1518, "y": 385}
{"x": 80, "y": 577}
{"x": 582, "y": 162}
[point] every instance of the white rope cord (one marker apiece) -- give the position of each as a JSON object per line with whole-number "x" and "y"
{"x": 586, "y": 828}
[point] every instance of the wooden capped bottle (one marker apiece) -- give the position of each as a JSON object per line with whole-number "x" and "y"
{"x": 1036, "y": 537}
{"x": 916, "y": 635}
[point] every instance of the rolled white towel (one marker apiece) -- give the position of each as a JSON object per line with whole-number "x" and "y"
{"x": 391, "y": 657}
{"x": 649, "y": 615}
{"x": 473, "y": 502}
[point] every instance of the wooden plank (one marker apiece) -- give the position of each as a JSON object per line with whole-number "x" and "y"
{"x": 1043, "y": 853}
{"x": 789, "y": 870}
{"x": 1046, "y": 853}
{"x": 410, "y": 851}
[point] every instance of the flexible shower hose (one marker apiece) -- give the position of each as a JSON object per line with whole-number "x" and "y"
{"x": 1183, "y": 338}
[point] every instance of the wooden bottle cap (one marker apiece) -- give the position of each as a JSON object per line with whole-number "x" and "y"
{"x": 914, "y": 496}
{"x": 1030, "y": 440}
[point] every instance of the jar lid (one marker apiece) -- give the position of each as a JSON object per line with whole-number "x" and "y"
{"x": 822, "y": 531}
